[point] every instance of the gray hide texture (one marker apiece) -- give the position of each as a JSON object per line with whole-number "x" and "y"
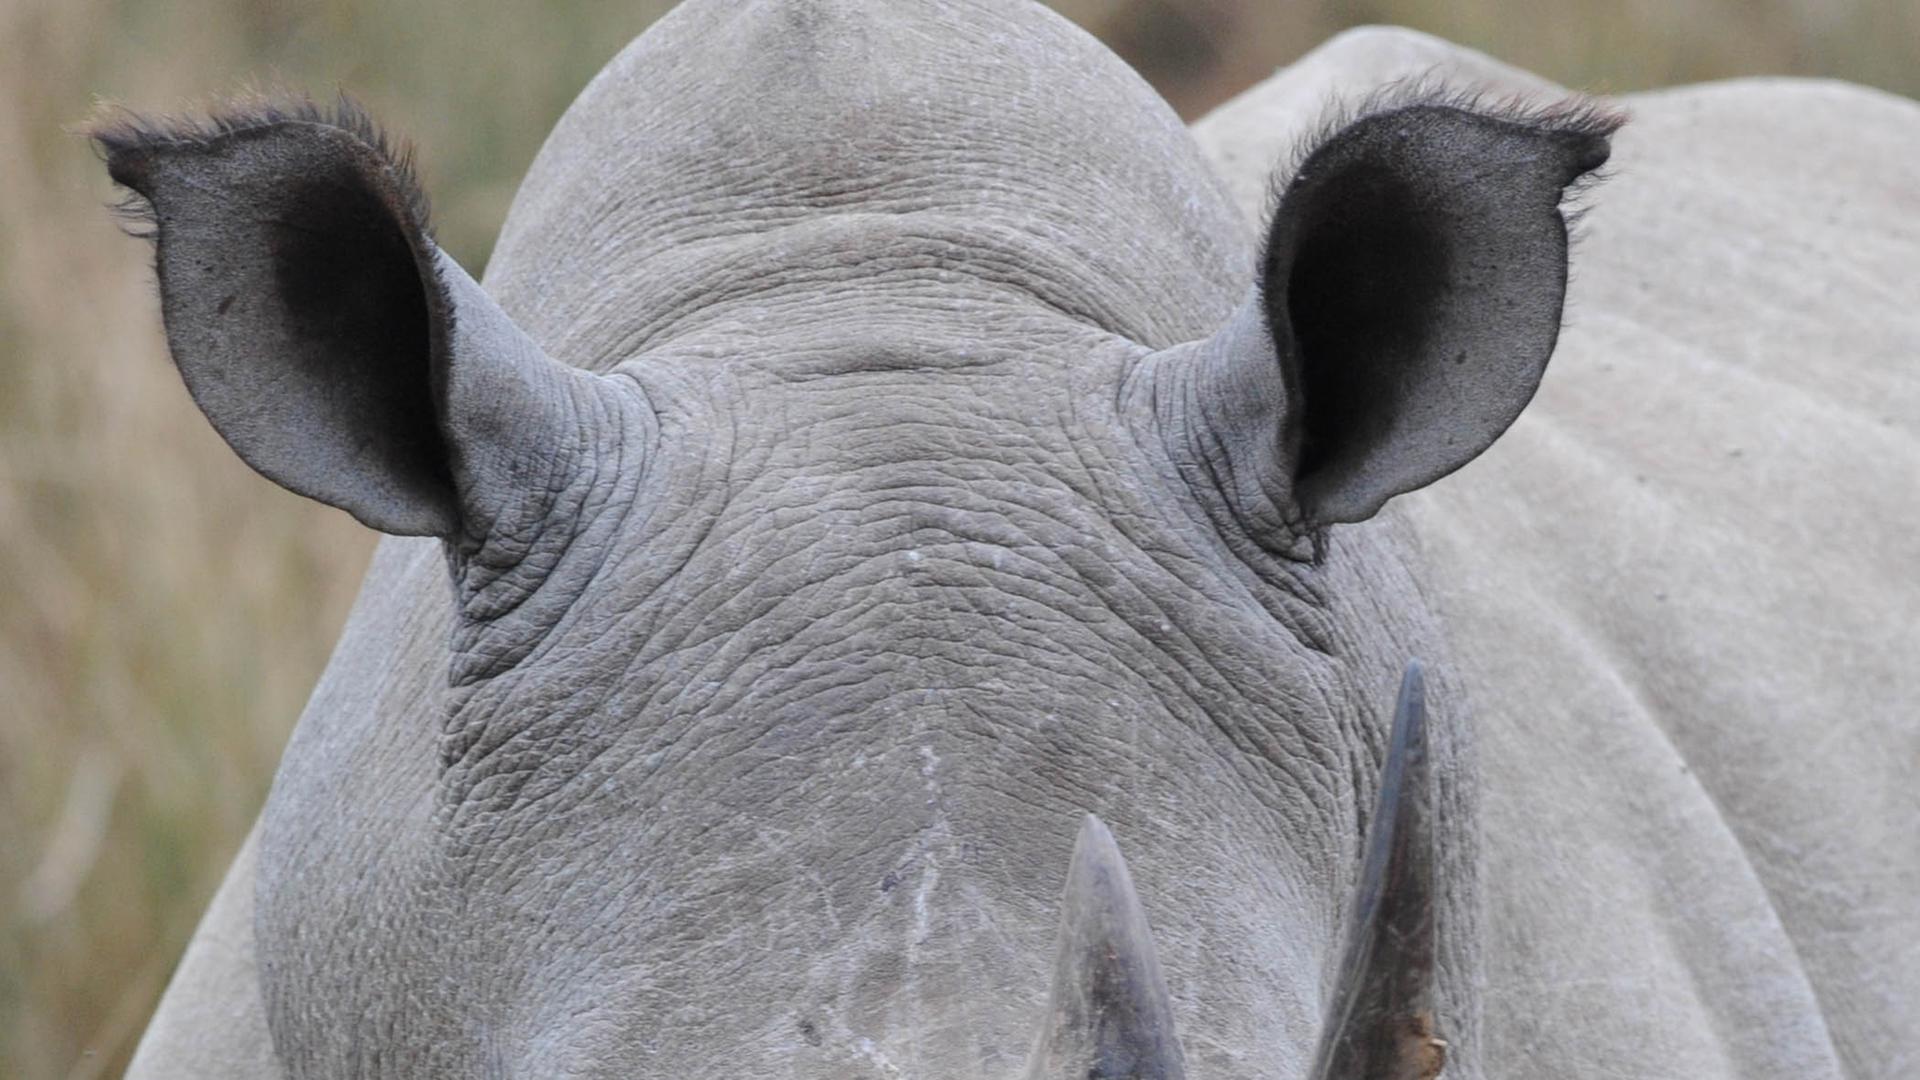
{"x": 1682, "y": 587}
{"x": 753, "y": 732}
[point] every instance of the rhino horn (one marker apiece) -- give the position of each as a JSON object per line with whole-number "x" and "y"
{"x": 1107, "y": 1016}
{"x": 1381, "y": 1025}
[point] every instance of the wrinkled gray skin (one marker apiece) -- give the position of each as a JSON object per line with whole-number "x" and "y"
{"x": 925, "y": 477}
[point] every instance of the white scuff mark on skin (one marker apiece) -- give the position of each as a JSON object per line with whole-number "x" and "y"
{"x": 777, "y": 844}
{"x": 930, "y": 877}
{"x": 874, "y": 1054}
{"x": 922, "y": 913}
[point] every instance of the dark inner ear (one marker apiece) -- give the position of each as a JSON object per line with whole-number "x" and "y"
{"x": 303, "y": 303}
{"x": 353, "y": 297}
{"x": 1378, "y": 264}
{"x": 1413, "y": 284}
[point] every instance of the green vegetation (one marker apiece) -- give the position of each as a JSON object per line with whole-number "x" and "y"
{"x": 163, "y": 612}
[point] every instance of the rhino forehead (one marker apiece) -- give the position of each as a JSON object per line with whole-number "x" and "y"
{"x": 736, "y": 138}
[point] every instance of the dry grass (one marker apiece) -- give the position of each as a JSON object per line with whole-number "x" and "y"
{"x": 163, "y": 612}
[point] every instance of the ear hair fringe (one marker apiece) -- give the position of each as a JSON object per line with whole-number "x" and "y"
{"x": 116, "y": 131}
{"x": 1571, "y": 114}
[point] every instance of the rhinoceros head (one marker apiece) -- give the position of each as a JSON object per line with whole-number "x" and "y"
{"x": 879, "y": 444}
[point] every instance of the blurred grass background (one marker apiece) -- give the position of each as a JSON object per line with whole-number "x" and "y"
{"x": 163, "y": 612}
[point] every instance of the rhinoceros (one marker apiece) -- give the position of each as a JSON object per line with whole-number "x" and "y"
{"x": 913, "y": 565}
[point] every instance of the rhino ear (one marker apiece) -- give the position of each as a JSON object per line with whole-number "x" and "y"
{"x": 319, "y": 328}
{"x": 1413, "y": 284}
{"x": 1409, "y": 297}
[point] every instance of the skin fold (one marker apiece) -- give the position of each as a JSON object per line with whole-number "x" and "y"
{"x": 852, "y": 474}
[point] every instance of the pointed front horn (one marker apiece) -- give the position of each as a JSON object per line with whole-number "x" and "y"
{"x": 1381, "y": 1025}
{"x": 1107, "y": 1016}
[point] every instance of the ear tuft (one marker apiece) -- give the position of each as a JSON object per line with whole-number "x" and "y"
{"x": 1585, "y": 121}
{"x": 128, "y": 142}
